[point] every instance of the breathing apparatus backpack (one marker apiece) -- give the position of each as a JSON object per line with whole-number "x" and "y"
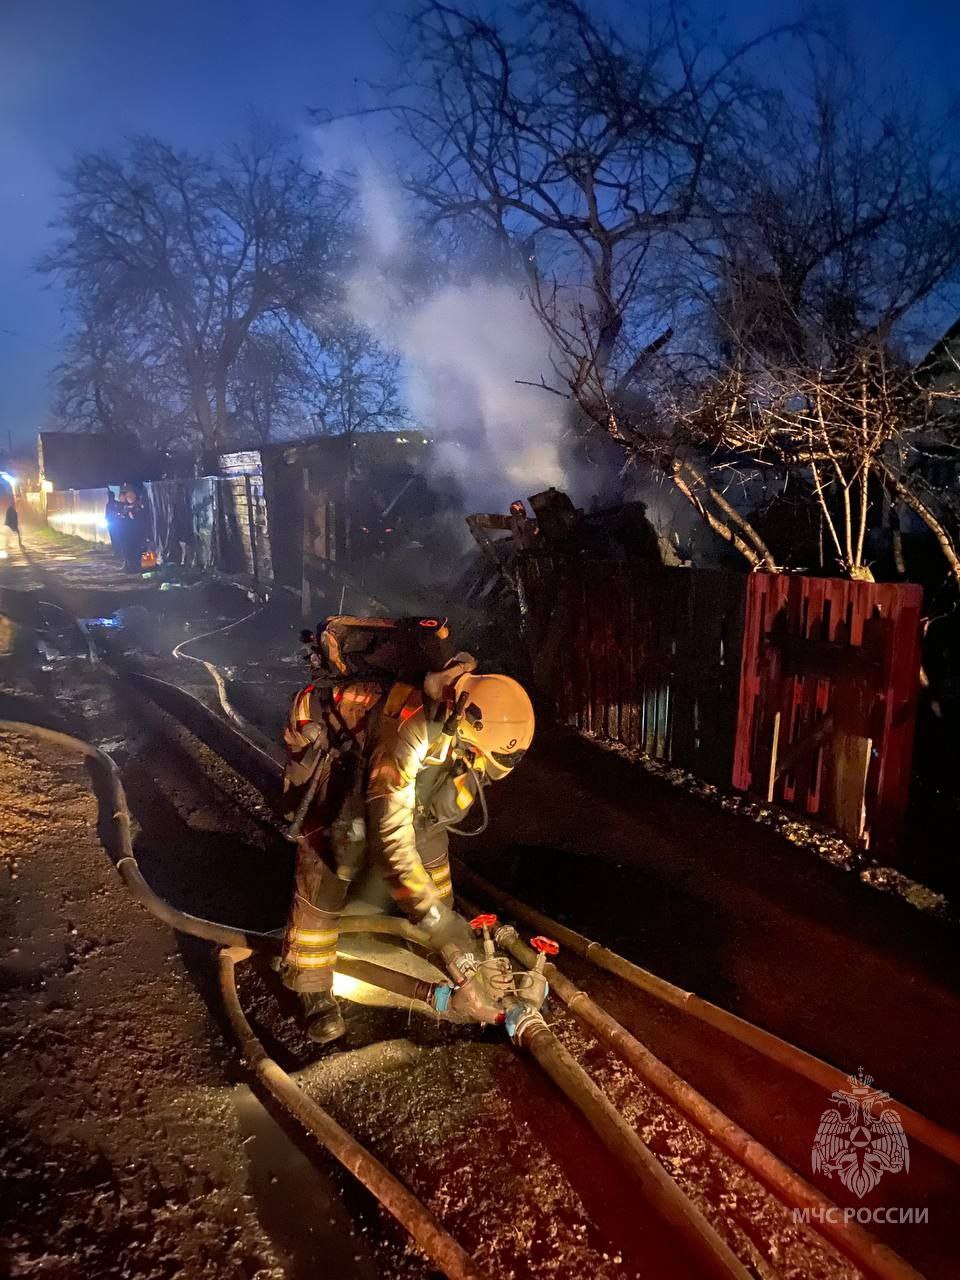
{"x": 354, "y": 662}
{"x": 345, "y": 648}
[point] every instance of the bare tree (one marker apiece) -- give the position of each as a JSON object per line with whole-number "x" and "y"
{"x": 348, "y": 381}
{"x": 194, "y": 253}
{"x": 708, "y": 253}
{"x": 848, "y": 222}
{"x": 577, "y": 148}
{"x": 112, "y": 381}
{"x": 270, "y": 387}
{"x": 592, "y": 158}
{"x": 358, "y": 382}
{"x": 846, "y": 429}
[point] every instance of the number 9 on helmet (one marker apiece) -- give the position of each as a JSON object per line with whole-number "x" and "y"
{"x": 498, "y": 721}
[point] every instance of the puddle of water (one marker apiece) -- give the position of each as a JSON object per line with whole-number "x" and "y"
{"x": 299, "y": 1206}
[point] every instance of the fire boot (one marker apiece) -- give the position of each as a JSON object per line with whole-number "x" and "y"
{"x": 310, "y": 943}
{"x": 322, "y": 1019}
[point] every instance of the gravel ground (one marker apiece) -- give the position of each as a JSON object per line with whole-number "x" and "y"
{"x": 122, "y": 1152}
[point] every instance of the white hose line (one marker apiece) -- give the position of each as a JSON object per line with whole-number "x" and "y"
{"x": 214, "y": 672}
{"x": 177, "y": 652}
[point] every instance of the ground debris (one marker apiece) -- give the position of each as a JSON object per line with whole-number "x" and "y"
{"x": 805, "y": 835}
{"x": 757, "y": 1226}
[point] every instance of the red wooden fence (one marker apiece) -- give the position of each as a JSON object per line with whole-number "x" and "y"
{"x": 828, "y": 694}
{"x": 799, "y": 690}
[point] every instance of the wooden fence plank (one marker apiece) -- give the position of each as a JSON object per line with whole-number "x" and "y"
{"x": 844, "y": 654}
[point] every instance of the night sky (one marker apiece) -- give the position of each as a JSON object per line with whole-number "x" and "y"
{"x": 82, "y": 74}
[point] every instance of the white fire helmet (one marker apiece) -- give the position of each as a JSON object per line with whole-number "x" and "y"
{"x": 498, "y": 721}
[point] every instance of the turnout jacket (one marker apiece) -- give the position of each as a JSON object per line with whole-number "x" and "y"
{"x": 408, "y": 781}
{"x": 418, "y": 785}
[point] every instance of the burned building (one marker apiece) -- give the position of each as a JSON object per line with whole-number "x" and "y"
{"x": 354, "y": 522}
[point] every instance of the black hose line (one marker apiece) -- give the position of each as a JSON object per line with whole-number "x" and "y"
{"x": 131, "y": 875}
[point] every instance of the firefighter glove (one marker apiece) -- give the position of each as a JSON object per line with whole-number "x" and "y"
{"x": 447, "y": 931}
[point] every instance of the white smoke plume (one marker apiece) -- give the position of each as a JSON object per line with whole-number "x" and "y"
{"x": 467, "y": 348}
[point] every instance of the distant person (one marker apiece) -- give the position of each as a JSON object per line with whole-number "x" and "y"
{"x": 182, "y": 539}
{"x": 124, "y": 524}
{"x": 113, "y": 515}
{"x": 12, "y": 521}
{"x": 133, "y": 516}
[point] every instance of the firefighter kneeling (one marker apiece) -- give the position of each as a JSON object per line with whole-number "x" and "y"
{"x": 389, "y": 772}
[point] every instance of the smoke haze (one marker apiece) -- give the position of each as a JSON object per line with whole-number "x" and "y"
{"x": 466, "y": 348}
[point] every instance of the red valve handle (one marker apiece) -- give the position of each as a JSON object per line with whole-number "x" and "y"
{"x": 546, "y": 946}
{"x": 483, "y": 922}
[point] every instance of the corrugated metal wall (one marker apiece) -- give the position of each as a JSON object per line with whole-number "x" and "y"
{"x": 640, "y": 654}
{"x": 215, "y": 522}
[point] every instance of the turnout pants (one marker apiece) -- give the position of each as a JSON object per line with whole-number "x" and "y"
{"x": 433, "y": 845}
{"x": 329, "y": 855}
{"x": 313, "y": 925}
{"x": 328, "y": 860}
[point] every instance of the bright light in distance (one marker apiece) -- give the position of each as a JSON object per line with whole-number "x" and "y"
{"x": 46, "y": 486}
{"x": 77, "y": 517}
{"x": 11, "y": 480}
{"x": 3, "y": 555}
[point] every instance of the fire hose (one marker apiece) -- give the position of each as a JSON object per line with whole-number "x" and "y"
{"x": 868, "y": 1253}
{"x": 531, "y": 1032}
{"x": 412, "y": 1214}
{"x": 527, "y": 1029}
{"x": 926, "y": 1131}
{"x": 423, "y": 1227}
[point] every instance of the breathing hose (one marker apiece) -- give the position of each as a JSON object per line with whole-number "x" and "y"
{"x": 451, "y": 824}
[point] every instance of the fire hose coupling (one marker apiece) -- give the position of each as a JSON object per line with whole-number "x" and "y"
{"x": 441, "y": 996}
{"x": 521, "y": 1019}
{"x": 505, "y": 936}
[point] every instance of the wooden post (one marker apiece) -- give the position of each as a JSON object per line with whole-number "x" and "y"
{"x": 305, "y": 599}
{"x": 251, "y": 526}
{"x": 774, "y": 751}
